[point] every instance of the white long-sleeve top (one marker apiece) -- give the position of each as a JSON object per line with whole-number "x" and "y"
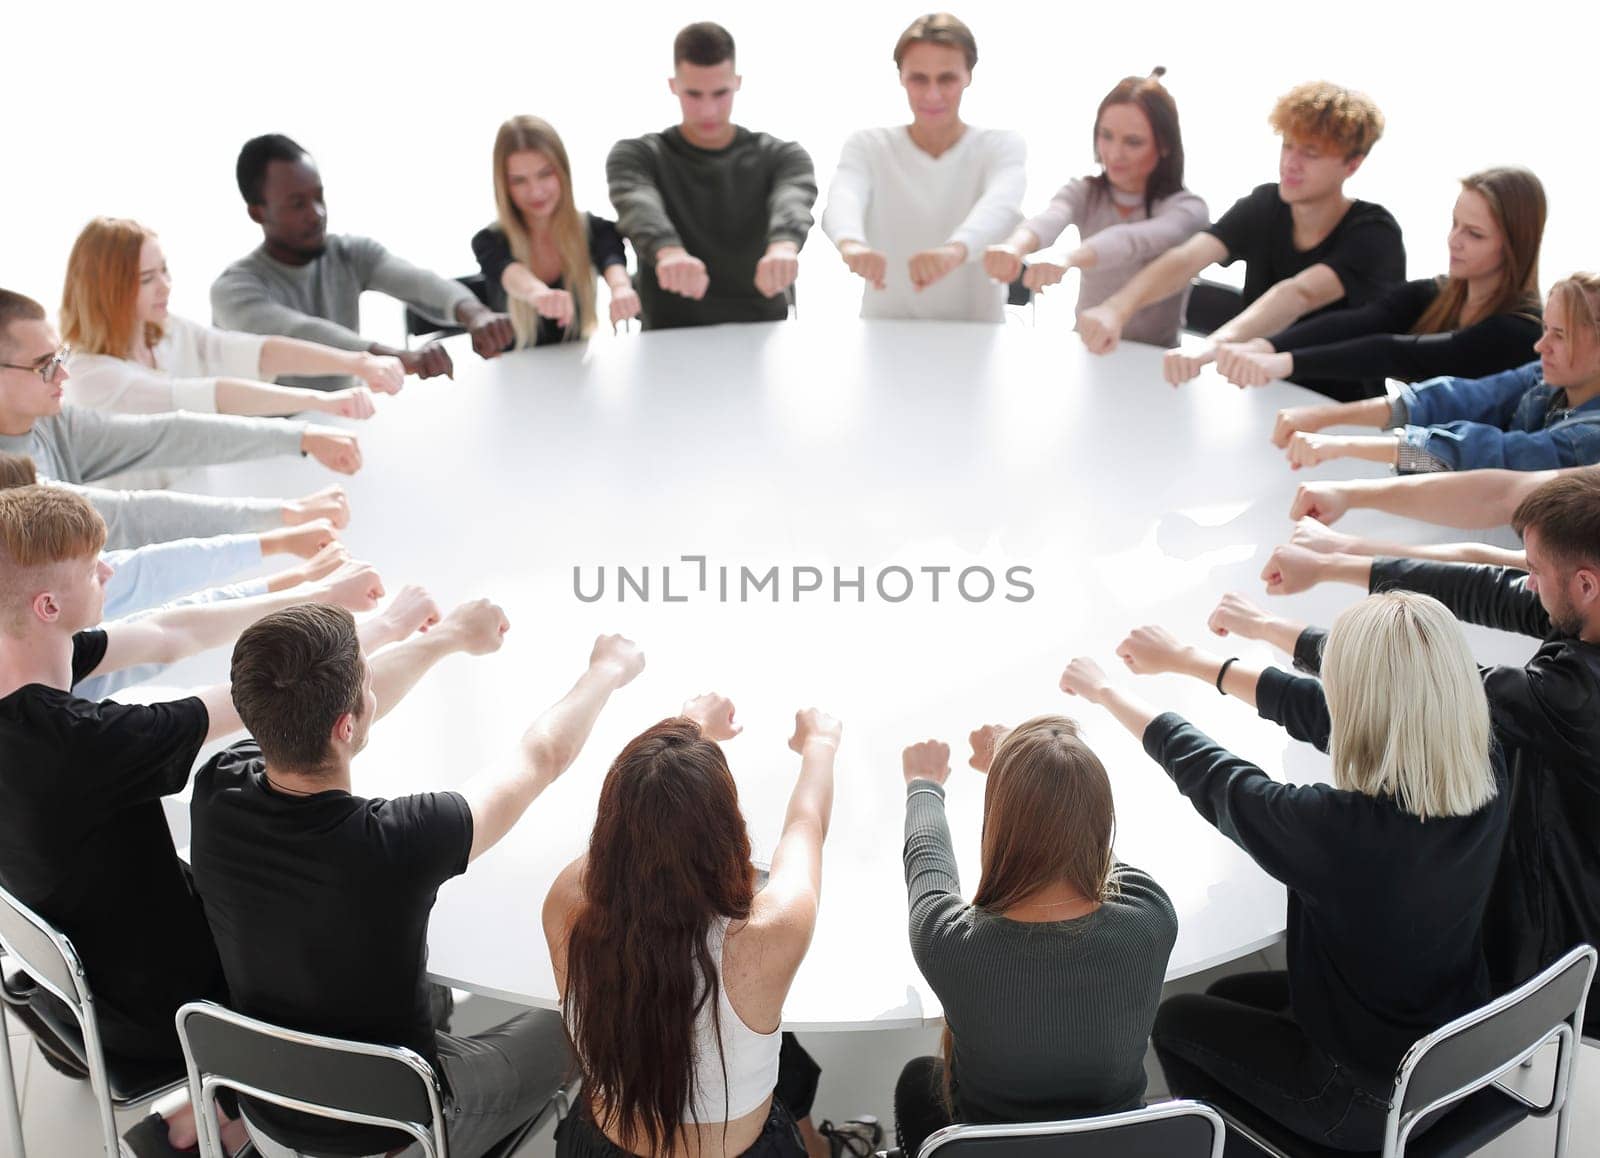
{"x": 189, "y": 359}
{"x": 892, "y": 196}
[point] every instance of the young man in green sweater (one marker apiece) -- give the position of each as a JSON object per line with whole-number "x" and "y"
{"x": 716, "y": 214}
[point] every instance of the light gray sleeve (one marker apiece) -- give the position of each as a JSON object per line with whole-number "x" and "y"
{"x": 421, "y": 289}
{"x": 105, "y": 444}
{"x": 241, "y": 300}
{"x": 138, "y": 518}
{"x": 1176, "y": 219}
{"x": 1065, "y": 208}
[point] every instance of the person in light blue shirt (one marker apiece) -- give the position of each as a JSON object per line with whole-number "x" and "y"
{"x": 1540, "y": 416}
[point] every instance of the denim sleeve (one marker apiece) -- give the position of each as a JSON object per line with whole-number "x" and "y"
{"x": 1476, "y": 446}
{"x": 1492, "y": 400}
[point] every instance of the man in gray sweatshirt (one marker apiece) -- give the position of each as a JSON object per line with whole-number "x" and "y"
{"x": 304, "y": 283}
{"x": 75, "y": 446}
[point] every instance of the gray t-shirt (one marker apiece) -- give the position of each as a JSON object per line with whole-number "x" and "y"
{"x": 320, "y": 301}
{"x": 1050, "y": 1020}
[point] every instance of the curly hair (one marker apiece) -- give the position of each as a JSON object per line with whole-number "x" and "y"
{"x": 1324, "y": 113}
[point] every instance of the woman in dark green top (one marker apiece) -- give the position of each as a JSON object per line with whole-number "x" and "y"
{"x": 1051, "y": 976}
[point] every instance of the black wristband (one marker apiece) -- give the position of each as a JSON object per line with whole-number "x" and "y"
{"x": 1223, "y": 670}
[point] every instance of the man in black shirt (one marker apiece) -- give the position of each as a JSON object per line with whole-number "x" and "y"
{"x": 83, "y": 838}
{"x": 1546, "y": 713}
{"x": 716, "y": 214}
{"x": 319, "y": 899}
{"x": 1306, "y": 246}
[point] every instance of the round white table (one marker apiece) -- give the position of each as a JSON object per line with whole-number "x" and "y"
{"x": 810, "y": 446}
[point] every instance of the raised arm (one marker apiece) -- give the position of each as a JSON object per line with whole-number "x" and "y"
{"x": 176, "y": 632}
{"x": 1312, "y": 534}
{"x": 281, "y": 355}
{"x": 1291, "y": 299}
{"x": 788, "y": 905}
{"x": 500, "y": 796}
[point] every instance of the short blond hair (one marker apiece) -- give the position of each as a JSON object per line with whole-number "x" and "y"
{"x": 40, "y": 528}
{"x": 1325, "y": 114}
{"x": 1410, "y": 718}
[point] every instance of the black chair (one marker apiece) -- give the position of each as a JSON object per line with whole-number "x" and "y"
{"x": 419, "y": 325}
{"x": 1211, "y": 306}
{"x": 66, "y": 1026}
{"x": 1177, "y": 1129}
{"x": 1449, "y": 1077}
{"x": 348, "y": 1081}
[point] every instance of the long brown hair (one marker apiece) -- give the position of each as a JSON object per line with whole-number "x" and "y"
{"x": 101, "y": 290}
{"x": 526, "y": 134}
{"x": 669, "y": 856}
{"x": 1048, "y": 818}
{"x": 1517, "y": 203}
{"x": 1153, "y": 99}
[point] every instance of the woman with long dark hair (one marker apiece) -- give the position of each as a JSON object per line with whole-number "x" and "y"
{"x": 1051, "y": 975}
{"x": 673, "y": 967}
{"x": 1128, "y": 214}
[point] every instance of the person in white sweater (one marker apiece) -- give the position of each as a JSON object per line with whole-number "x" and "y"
{"x": 133, "y": 356}
{"x": 913, "y": 207}
{"x": 1130, "y": 213}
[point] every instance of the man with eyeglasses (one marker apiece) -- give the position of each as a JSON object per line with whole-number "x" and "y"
{"x": 78, "y": 447}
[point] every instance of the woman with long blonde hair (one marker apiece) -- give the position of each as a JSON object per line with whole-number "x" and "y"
{"x": 540, "y": 257}
{"x": 131, "y": 354}
{"x": 1388, "y": 868}
{"x": 1051, "y": 975}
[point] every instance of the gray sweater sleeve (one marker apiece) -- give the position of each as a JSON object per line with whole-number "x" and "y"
{"x": 641, "y": 213}
{"x": 794, "y": 192}
{"x": 421, "y": 289}
{"x": 933, "y": 884}
{"x": 104, "y": 444}
{"x": 138, "y": 518}
{"x": 241, "y": 300}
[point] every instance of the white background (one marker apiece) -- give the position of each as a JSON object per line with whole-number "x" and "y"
{"x": 139, "y": 109}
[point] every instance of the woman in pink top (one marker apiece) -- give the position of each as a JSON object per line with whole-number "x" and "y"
{"x": 1131, "y": 212}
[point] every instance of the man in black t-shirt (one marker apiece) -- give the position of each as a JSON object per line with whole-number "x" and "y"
{"x": 83, "y": 838}
{"x": 1307, "y": 247}
{"x": 319, "y": 899}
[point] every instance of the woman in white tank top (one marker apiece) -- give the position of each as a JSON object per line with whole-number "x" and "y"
{"x": 673, "y": 969}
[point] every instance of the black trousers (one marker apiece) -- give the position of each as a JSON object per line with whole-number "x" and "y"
{"x": 1237, "y": 1042}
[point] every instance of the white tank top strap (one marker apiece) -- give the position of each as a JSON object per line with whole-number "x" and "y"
{"x": 750, "y": 1058}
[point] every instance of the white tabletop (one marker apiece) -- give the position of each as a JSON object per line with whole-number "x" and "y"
{"x": 825, "y": 444}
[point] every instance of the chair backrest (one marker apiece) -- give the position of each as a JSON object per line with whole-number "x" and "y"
{"x": 1476, "y": 1047}
{"x": 1179, "y": 1129}
{"x": 47, "y": 955}
{"x": 350, "y": 1081}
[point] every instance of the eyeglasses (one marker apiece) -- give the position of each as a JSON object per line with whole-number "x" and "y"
{"x": 51, "y": 366}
